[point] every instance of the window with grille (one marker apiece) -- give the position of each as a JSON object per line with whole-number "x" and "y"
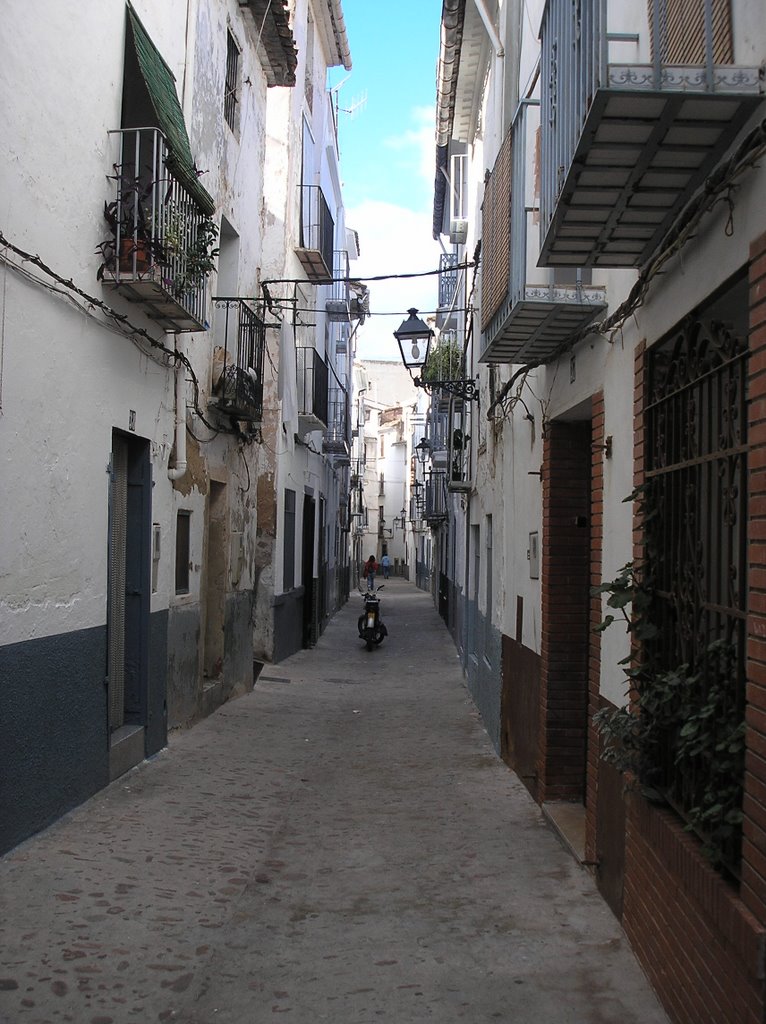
{"x": 183, "y": 551}
{"x": 231, "y": 93}
{"x": 288, "y": 568}
{"x": 695, "y": 539}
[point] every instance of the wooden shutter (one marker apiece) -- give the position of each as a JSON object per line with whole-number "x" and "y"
{"x": 496, "y": 235}
{"x": 683, "y": 32}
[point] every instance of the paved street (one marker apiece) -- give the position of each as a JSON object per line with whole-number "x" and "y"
{"x": 341, "y": 845}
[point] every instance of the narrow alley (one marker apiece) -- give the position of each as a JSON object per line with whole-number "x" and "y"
{"x": 342, "y": 844}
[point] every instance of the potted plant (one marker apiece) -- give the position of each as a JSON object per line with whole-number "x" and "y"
{"x": 149, "y": 229}
{"x": 197, "y": 259}
{"x": 130, "y": 247}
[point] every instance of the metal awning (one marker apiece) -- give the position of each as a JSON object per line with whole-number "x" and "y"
{"x": 640, "y": 157}
{"x": 535, "y": 327}
{"x": 160, "y": 84}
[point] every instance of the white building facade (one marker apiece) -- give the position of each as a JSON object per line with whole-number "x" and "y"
{"x": 137, "y": 363}
{"x": 302, "y": 560}
{"x": 605, "y": 155}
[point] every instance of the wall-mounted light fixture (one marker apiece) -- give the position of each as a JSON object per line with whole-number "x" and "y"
{"x": 414, "y": 338}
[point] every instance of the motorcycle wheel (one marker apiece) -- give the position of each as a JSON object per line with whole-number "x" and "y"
{"x": 379, "y": 637}
{"x": 369, "y": 642}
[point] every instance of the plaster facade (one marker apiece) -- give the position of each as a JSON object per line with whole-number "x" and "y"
{"x": 561, "y": 442}
{"x": 107, "y": 406}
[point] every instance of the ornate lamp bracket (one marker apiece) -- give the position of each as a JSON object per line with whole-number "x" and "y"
{"x": 467, "y": 389}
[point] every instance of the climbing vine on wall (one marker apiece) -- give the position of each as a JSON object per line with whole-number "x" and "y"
{"x": 680, "y": 738}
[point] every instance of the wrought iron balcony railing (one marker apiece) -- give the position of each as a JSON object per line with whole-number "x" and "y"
{"x": 240, "y": 336}
{"x": 447, "y": 279}
{"x": 337, "y": 441}
{"x": 435, "y": 496}
{"x": 317, "y": 231}
{"x": 339, "y": 304}
{"x": 312, "y": 390}
{"x": 161, "y": 247}
{"x": 632, "y": 122}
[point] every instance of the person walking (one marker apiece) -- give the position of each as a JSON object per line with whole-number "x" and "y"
{"x": 369, "y": 570}
{"x": 385, "y": 563}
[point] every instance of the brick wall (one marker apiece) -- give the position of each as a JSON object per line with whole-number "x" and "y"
{"x": 703, "y": 944}
{"x": 565, "y": 611}
{"x": 598, "y": 438}
{"x": 754, "y": 805}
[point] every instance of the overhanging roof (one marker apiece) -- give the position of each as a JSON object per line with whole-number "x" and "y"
{"x": 278, "y": 55}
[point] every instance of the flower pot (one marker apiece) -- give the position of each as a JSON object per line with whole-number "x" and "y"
{"x": 134, "y": 256}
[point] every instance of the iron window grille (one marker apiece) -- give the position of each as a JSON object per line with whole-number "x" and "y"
{"x": 231, "y": 91}
{"x": 696, "y": 537}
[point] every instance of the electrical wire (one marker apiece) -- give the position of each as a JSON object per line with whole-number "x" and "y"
{"x": 116, "y": 322}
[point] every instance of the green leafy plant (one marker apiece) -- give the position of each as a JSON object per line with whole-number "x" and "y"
{"x": 680, "y": 738}
{"x": 444, "y": 361}
{"x": 197, "y": 260}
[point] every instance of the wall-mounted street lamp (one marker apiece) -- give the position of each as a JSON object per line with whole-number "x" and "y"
{"x": 423, "y": 450}
{"x": 414, "y": 338}
{"x": 384, "y": 531}
{"x": 400, "y": 521}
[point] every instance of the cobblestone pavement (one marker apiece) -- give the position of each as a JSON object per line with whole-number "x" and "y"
{"x": 341, "y": 845}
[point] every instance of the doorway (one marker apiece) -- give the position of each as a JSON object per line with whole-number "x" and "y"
{"x": 566, "y": 559}
{"x": 128, "y": 600}
{"x": 215, "y": 586}
{"x": 307, "y": 561}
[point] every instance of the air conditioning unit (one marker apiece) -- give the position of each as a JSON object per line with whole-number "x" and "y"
{"x": 458, "y": 231}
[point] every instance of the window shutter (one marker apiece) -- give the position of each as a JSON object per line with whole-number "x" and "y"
{"x": 683, "y": 32}
{"x": 496, "y": 235}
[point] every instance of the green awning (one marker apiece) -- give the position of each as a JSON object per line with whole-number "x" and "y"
{"x": 160, "y": 83}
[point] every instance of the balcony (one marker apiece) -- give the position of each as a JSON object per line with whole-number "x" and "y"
{"x": 339, "y": 337}
{"x": 460, "y": 438}
{"x": 312, "y": 390}
{"x": 357, "y": 472}
{"x": 447, "y": 279}
{"x": 338, "y": 306}
{"x": 435, "y": 508}
{"x": 527, "y": 312}
{"x": 240, "y": 336}
{"x": 317, "y": 230}
{"x": 632, "y": 123}
{"x": 336, "y": 441}
{"x": 160, "y": 250}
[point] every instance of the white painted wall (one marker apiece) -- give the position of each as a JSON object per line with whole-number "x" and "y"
{"x": 68, "y": 379}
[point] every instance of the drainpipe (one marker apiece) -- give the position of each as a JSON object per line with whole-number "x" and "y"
{"x": 179, "y": 470}
{"x": 481, "y": 7}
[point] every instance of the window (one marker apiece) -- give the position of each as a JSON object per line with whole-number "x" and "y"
{"x": 488, "y": 584}
{"x": 183, "y": 551}
{"x": 231, "y": 91}
{"x": 308, "y": 80}
{"x": 459, "y": 192}
{"x": 288, "y": 569}
{"x": 474, "y": 609}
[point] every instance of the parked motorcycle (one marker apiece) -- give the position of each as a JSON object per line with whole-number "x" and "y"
{"x": 371, "y": 627}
